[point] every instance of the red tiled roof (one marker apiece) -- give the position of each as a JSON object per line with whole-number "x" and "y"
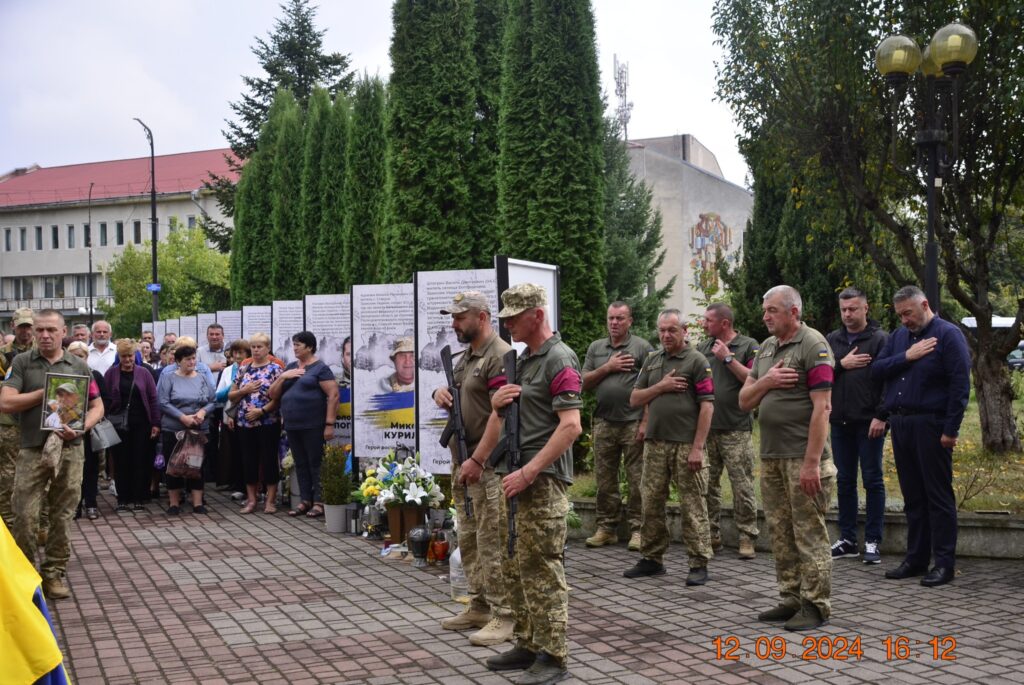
{"x": 177, "y": 173}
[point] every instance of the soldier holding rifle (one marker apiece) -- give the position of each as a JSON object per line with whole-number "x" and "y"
{"x": 479, "y": 505}
{"x": 548, "y": 396}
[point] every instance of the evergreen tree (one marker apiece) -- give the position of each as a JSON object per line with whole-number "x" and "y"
{"x": 551, "y": 190}
{"x": 484, "y": 153}
{"x": 286, "y": 280}
{"x": 251, "y": 255}
{"x": 317, "y": 117}
{"x": 330, "y": 252}
{"x": 365, "y": 185}
{"x": 430, "y": 125}
{"x": 291, "y": 57}
{"x": 632, "y": 229}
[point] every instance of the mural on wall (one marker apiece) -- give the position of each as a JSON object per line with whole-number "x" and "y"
{"x": 708, "y": 236}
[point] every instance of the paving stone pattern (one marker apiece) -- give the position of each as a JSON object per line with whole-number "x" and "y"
{"x": 227, "y": 598}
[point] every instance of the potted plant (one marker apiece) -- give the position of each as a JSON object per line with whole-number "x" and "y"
{"x": 337, "y": 487}
{"x": 404, "y": 490}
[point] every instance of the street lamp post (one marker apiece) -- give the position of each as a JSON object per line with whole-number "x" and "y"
{"x": 152, "y": 216}
{"x": 88, "y": 244}
{"x": 952, "y": 48}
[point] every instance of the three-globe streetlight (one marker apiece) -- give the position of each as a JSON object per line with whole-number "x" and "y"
{"x": 943, "y": 61}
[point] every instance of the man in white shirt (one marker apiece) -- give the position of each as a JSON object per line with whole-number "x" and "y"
{"x": 102, "y": 355}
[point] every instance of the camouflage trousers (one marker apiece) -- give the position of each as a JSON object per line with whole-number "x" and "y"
{"x": 535, "y": 575}
{"x": 614, "y": 444}
{"x": 665, "y": 462}
{"x": 10, "y": 443}
{"x": 796, "y": 522}
{"x": 480, "y": 541}
{"x": 732, "y": 451}
{"x": 30, "y": 491}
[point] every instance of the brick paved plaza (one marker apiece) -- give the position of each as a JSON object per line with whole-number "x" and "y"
{"x": 227, "y": 598}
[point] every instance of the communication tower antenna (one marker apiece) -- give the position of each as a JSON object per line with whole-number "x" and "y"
{"x": 621, "y": 92}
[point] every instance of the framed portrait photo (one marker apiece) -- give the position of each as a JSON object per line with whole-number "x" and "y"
{"x": 65, "y": 399}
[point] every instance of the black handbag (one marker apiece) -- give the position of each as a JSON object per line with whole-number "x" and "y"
{"x": 120, "y": 420}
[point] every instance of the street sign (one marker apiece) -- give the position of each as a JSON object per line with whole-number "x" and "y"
{"x": 153, "y": 287}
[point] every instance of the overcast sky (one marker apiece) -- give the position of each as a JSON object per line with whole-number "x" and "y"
{"x": 77, "y": 72}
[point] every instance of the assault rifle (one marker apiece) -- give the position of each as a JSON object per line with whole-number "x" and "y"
{"x": 455, "y": 428}
{"x": 510, "y": 445}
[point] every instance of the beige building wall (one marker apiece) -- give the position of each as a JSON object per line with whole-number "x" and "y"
{"x": 700, "y": 211}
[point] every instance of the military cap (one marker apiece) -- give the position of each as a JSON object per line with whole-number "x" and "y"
{"x": 469, "y": 300}
{"x": 68, "y": 388}
{"x": 21, "y": 317}
{"x": 402, "y": 345}
{"x": 521, "y": 297}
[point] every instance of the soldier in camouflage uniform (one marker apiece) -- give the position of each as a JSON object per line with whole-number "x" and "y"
{"x": 478, "y": 374}
{"x": 549, "y": 401}
{"x": 10, "y": 435}
{"x": 791, "y": 382}
{"x": 610, "y": 369}
{"x": 22, "y": 394}
{"x": 676, "y": 389}
{"x": 729, "y": 444}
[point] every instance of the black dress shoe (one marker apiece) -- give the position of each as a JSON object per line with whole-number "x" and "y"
{"x": 905, "y": 570}
{"x": 939, "y": 575}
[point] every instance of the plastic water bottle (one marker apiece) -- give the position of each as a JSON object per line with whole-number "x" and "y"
{"x": 457, "y": 578}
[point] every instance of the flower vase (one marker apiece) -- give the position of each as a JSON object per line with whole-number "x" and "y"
{"x": 402, "y": 519}
{"x": 334, "y": 518}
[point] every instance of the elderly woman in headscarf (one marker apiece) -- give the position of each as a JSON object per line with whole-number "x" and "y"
{"x": 132, "y": 394}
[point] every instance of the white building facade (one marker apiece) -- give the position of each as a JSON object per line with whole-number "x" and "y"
{"x": 46, "y": 235}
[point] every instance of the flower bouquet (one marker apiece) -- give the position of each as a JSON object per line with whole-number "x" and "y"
{"x": 403, "y": 489}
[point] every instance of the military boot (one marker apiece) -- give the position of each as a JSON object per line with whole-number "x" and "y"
{"x": 54, "y": 588}
{"x": 470, "y": 618}
{"x": 511, "y": 660}
{"x": 634, "y": 542}
{"x": 747, "y": 549}
{"x": 808, "y": 618}
{"x": 498, "y": 630}
{"x": 601, "y": 538}
{"x": 545, "y": 670}
{"x": 779, "y": 614}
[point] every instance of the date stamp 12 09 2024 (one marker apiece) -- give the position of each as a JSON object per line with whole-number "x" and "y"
{"x": 833, "y": 647}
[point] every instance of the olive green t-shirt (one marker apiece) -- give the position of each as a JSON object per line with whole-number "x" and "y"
{"x": 728, "y": 415}
{"x": 551, "y": 382}
{"x": 478, "y": 374}
{"x": 614, "y": 389}
{"x": 785, "y": 413}
{"x": 673, "y": 415}
{"x": 28, "y": 373}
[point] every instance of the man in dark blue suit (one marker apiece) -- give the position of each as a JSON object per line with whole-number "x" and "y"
{"x": 926, "y": 367}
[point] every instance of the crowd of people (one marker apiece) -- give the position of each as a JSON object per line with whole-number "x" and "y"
{"x": 155, "y": 399}
{"x": 682, "y": 413}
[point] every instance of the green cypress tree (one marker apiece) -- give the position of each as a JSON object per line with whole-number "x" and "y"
{"x": 365, "y": 184}
{"x": 317, "y": 116}
{"x": 330, "y": 250}
{"x": 430, "y": 126}
{"x": 251, "y": 257}
{"x": 632, "y": 229}
{"x": 286, "y": 281}
{"x": 484, "y": 153}
{"x": 551, "y": 151}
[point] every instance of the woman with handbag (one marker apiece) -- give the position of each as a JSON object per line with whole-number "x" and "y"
{"x": 186, "y": 397}
{"x": 230, "y": 449}
{"x": 135, "y": 413}
{"x": 309, "y": 407}
{"x": 91, "y": 467}
{"x": 257, "y": 423}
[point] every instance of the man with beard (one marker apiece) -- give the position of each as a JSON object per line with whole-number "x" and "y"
{"x": 478, "y": 374}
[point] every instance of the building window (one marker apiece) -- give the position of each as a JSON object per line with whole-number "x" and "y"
{"x": 71, "y": 236}
{"x": 119, "y": 230}
{"x": 137, "y": 230}
{"x": 108, "y": 287}
{"x": 23, "y": 236}
{"x": 54, "y": 237}
{"x": 53, "y": 286}
{"x": 23, "y": 288}
{"x": 191, "y": 220}
{"x": 86, "y": 235}
{"x": 7, "y": 240}
{"x": 81, "y": 285}
{"x": 103, "y": 234}
{"x": 39, "y": 237}
{"x": 172, "y": 223}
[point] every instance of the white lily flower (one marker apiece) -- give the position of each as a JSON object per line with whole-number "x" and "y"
{"x": 415, "y": 494}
